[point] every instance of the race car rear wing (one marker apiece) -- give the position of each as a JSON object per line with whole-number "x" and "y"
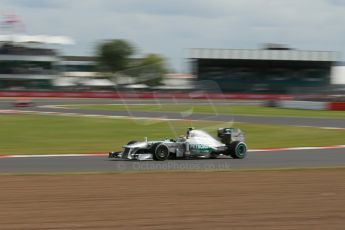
{"x": 228, "y": 135}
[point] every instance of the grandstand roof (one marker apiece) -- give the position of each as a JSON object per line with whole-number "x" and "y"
{"x": 19, "y": 38}
{"x": 263, "y": 54}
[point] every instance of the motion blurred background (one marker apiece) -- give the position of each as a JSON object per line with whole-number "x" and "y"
{"x": 293, "y": 48}
{"x": 81, "y": 78}
{"x": 236, "y": 58}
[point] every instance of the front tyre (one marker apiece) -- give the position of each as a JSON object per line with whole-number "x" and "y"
{"x": 113, "y": 154}
{"x": 161, "y": 153}
{"x": 238, "y": 150}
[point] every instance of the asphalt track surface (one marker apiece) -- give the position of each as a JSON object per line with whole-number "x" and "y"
{"x": 255, "y": 160}
{"x": 298, "y": 121}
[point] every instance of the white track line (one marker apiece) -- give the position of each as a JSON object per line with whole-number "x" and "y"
{"x": 130, "y": 117}
{"x": 297, "y": 148}
{"x": 54, "y": 155}
{"x": 98, "y": 116}
{"x": 76, "y": 105}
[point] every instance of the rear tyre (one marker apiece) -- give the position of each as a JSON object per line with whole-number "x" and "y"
{"x": 238, "y": 150}
{"x": 161, "y": 153}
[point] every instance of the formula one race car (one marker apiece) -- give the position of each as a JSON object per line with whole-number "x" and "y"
{"x": 23, "y": 102}
{"x": 196, "y": 144}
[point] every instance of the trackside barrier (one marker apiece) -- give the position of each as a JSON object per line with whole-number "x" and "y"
{"x": 336, "y": 106}
{"x": 146, "y": 95}
{"x": 312, "y": 105}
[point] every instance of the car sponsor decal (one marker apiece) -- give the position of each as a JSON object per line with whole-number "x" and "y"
{"x": 200, "y": 148}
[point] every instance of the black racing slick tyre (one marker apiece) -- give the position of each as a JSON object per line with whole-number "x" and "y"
{"x": 131, "y": 142}
{"x": 213, "y": 156}
{"x": 161, "y": 153}
{"x": 238, "y": 150}
{"x": 113, "y": 154}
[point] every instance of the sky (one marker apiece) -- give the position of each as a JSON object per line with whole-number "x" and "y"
{"x": 169, "y": 27}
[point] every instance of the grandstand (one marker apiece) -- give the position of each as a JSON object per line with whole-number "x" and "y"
{"x": 27, "y": 63}
{"x": 273, "y": 69}
{"x": 79, "y": 66}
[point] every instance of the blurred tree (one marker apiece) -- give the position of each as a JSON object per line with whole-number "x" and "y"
{"x": 155, "y": 67}
{"x": 113, "y": 55}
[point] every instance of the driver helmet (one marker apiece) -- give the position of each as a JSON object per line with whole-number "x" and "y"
{"x": 188, "y": 131}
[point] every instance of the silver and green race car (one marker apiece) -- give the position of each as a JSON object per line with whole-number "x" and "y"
{"x": 196, "y": 144}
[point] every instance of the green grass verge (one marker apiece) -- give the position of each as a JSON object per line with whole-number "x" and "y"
{"x": 46, "y": 134}
{"x": 220, "y": 109}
